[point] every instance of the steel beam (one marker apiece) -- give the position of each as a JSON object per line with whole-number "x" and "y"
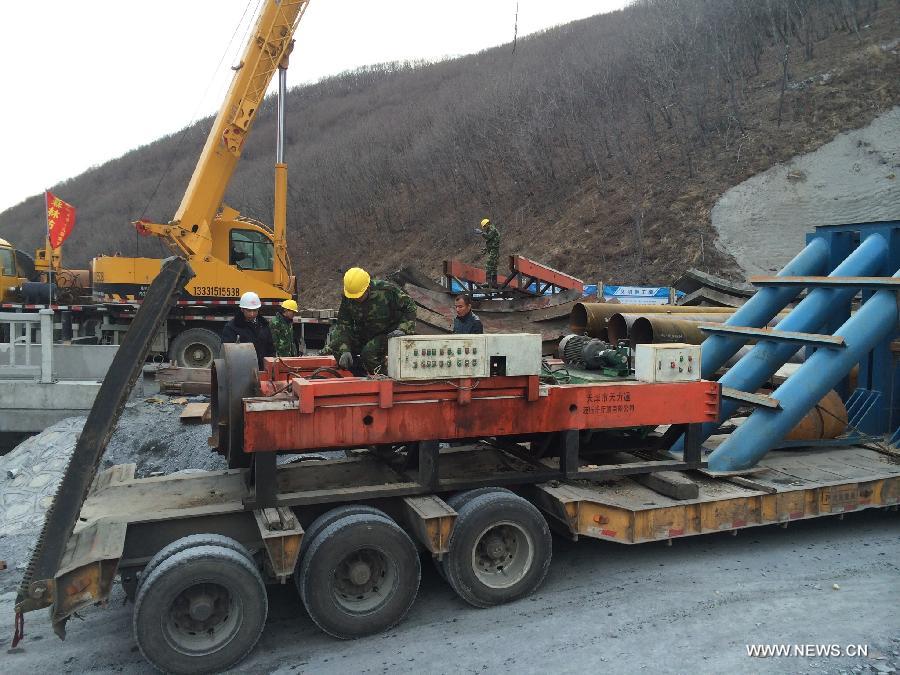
{"x": 875, "y": 320}
{"x": 814, "y": 339}
{"x": 827, "y": 282}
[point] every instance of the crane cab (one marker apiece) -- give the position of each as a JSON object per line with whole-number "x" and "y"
{"x": 12, "y": 276}
{"x": 241, "y": 258}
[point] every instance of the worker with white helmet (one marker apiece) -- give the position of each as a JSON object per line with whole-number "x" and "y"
{"x": 248, "y": 326}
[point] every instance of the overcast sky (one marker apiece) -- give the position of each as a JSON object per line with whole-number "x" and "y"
{"x": 84, "y": 81}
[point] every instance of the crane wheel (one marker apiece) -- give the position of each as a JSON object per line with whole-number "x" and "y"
{"x": 500, "y": 549}
{"x": 195, "y": 348}
{"x": 201, "y": 610}
{"x": 359, "y": 576}
{"x": 234, "y": 377}
{"x": 191, "y": 541}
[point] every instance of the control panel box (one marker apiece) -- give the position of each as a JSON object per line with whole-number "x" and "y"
{"x": 442, "y": 357}
{"x": 667, "y": 362}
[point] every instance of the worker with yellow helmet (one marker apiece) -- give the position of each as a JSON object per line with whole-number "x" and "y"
{"x": 372, "y": 310}
{"x": 491, "y": 237}
{"x": 282, "y": 327}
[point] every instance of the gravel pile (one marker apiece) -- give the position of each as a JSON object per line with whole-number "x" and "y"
{"x": 149, "y": 434}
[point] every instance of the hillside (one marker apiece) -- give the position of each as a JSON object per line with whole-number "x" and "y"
{"x": 599, "y": 147}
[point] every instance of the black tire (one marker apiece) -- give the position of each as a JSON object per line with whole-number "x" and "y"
{"x": 191, "y": 541}
{"x": 456, "y": 502}
{"x": 195, "y": 348}
{"x": 201, "y": 611}
{"x": 460, "y": 499}
{"x": 500, "y": 549}
{"x": 330, "y": 517}
{"x": 359, "y": 576}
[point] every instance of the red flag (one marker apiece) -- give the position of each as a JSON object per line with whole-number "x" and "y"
{"x": 60, "y": 219}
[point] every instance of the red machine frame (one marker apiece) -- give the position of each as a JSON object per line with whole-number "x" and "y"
{"x": 293, "y": 412}
{"x": 350, "y": 412}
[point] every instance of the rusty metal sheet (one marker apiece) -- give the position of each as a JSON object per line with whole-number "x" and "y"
{"x": 281, "y": 533}
{"x": 431, "y": 519}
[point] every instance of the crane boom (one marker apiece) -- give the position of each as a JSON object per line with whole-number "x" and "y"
{"x": 269, "y": 43}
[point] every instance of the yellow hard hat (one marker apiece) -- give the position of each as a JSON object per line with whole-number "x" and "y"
{"x": 291, "y": 305}
{"x": 485, "y": 222}
{"x": 356, "y": 282}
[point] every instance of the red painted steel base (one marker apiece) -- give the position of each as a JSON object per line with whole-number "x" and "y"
{"x": 308, "y": 414}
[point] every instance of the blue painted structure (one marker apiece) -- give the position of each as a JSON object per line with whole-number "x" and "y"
{"x": 862, "y": 249}
{"x": 762, "y": 307}
{"x": 875, "y": 321}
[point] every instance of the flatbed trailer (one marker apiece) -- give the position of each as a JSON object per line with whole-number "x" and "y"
{"x": 126, "y": 522}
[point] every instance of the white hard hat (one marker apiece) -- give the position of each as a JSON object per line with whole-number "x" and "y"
{"x": 250, "y": 300}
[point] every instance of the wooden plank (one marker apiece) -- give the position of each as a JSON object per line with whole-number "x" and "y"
{"x": 670, "y": 483}
{"x": 177, "y": 374}
{"x": 194, "y": 413}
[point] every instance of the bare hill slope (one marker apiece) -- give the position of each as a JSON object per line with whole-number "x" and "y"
{"x": 599, "y": 147}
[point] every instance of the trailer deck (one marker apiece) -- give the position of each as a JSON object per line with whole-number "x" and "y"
{"x": 124, "y": 520}
{"x": 791, "y": 485}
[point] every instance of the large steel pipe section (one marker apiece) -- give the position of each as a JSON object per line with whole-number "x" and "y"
{"x": 874, "y": 322}
{"x": 591, "y": 318}
{"x": 656, "y": 328}
{"x": 652, "y": 328}
{"x": 762, "y": 307}
{"x": 766, "y": 357}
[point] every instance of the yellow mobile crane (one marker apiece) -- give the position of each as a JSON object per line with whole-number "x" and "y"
{"x": 229, "y": 253}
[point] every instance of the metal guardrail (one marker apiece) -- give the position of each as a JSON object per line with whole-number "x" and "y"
{"x": 17, "y": 334}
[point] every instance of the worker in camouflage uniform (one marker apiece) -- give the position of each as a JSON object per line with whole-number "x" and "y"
{"x": 282, "y": 327}
{"x": 371, "y": 311}
{"x": 491, "y": 237}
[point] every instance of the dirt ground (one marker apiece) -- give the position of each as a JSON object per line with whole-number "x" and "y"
{"x": 763, "y": 221}
{"x": 692, "y": 607}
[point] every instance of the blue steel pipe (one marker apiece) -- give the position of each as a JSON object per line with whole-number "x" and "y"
{"x": 875, "y": 321}
{"x": 766, "y": 357}
{"x": 762, "y": 307}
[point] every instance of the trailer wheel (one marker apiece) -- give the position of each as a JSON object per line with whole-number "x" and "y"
{"x": 359, "y": 576}
{"x": 500, "y": 549}
{"x": 201, "y": 610}
{"x": 456, "y": 502}
{"x": 191, "y": 541}
{"x": 332, "y": 516}
{"x": 195, "y": 348}
{"x": 460, "y": 499}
